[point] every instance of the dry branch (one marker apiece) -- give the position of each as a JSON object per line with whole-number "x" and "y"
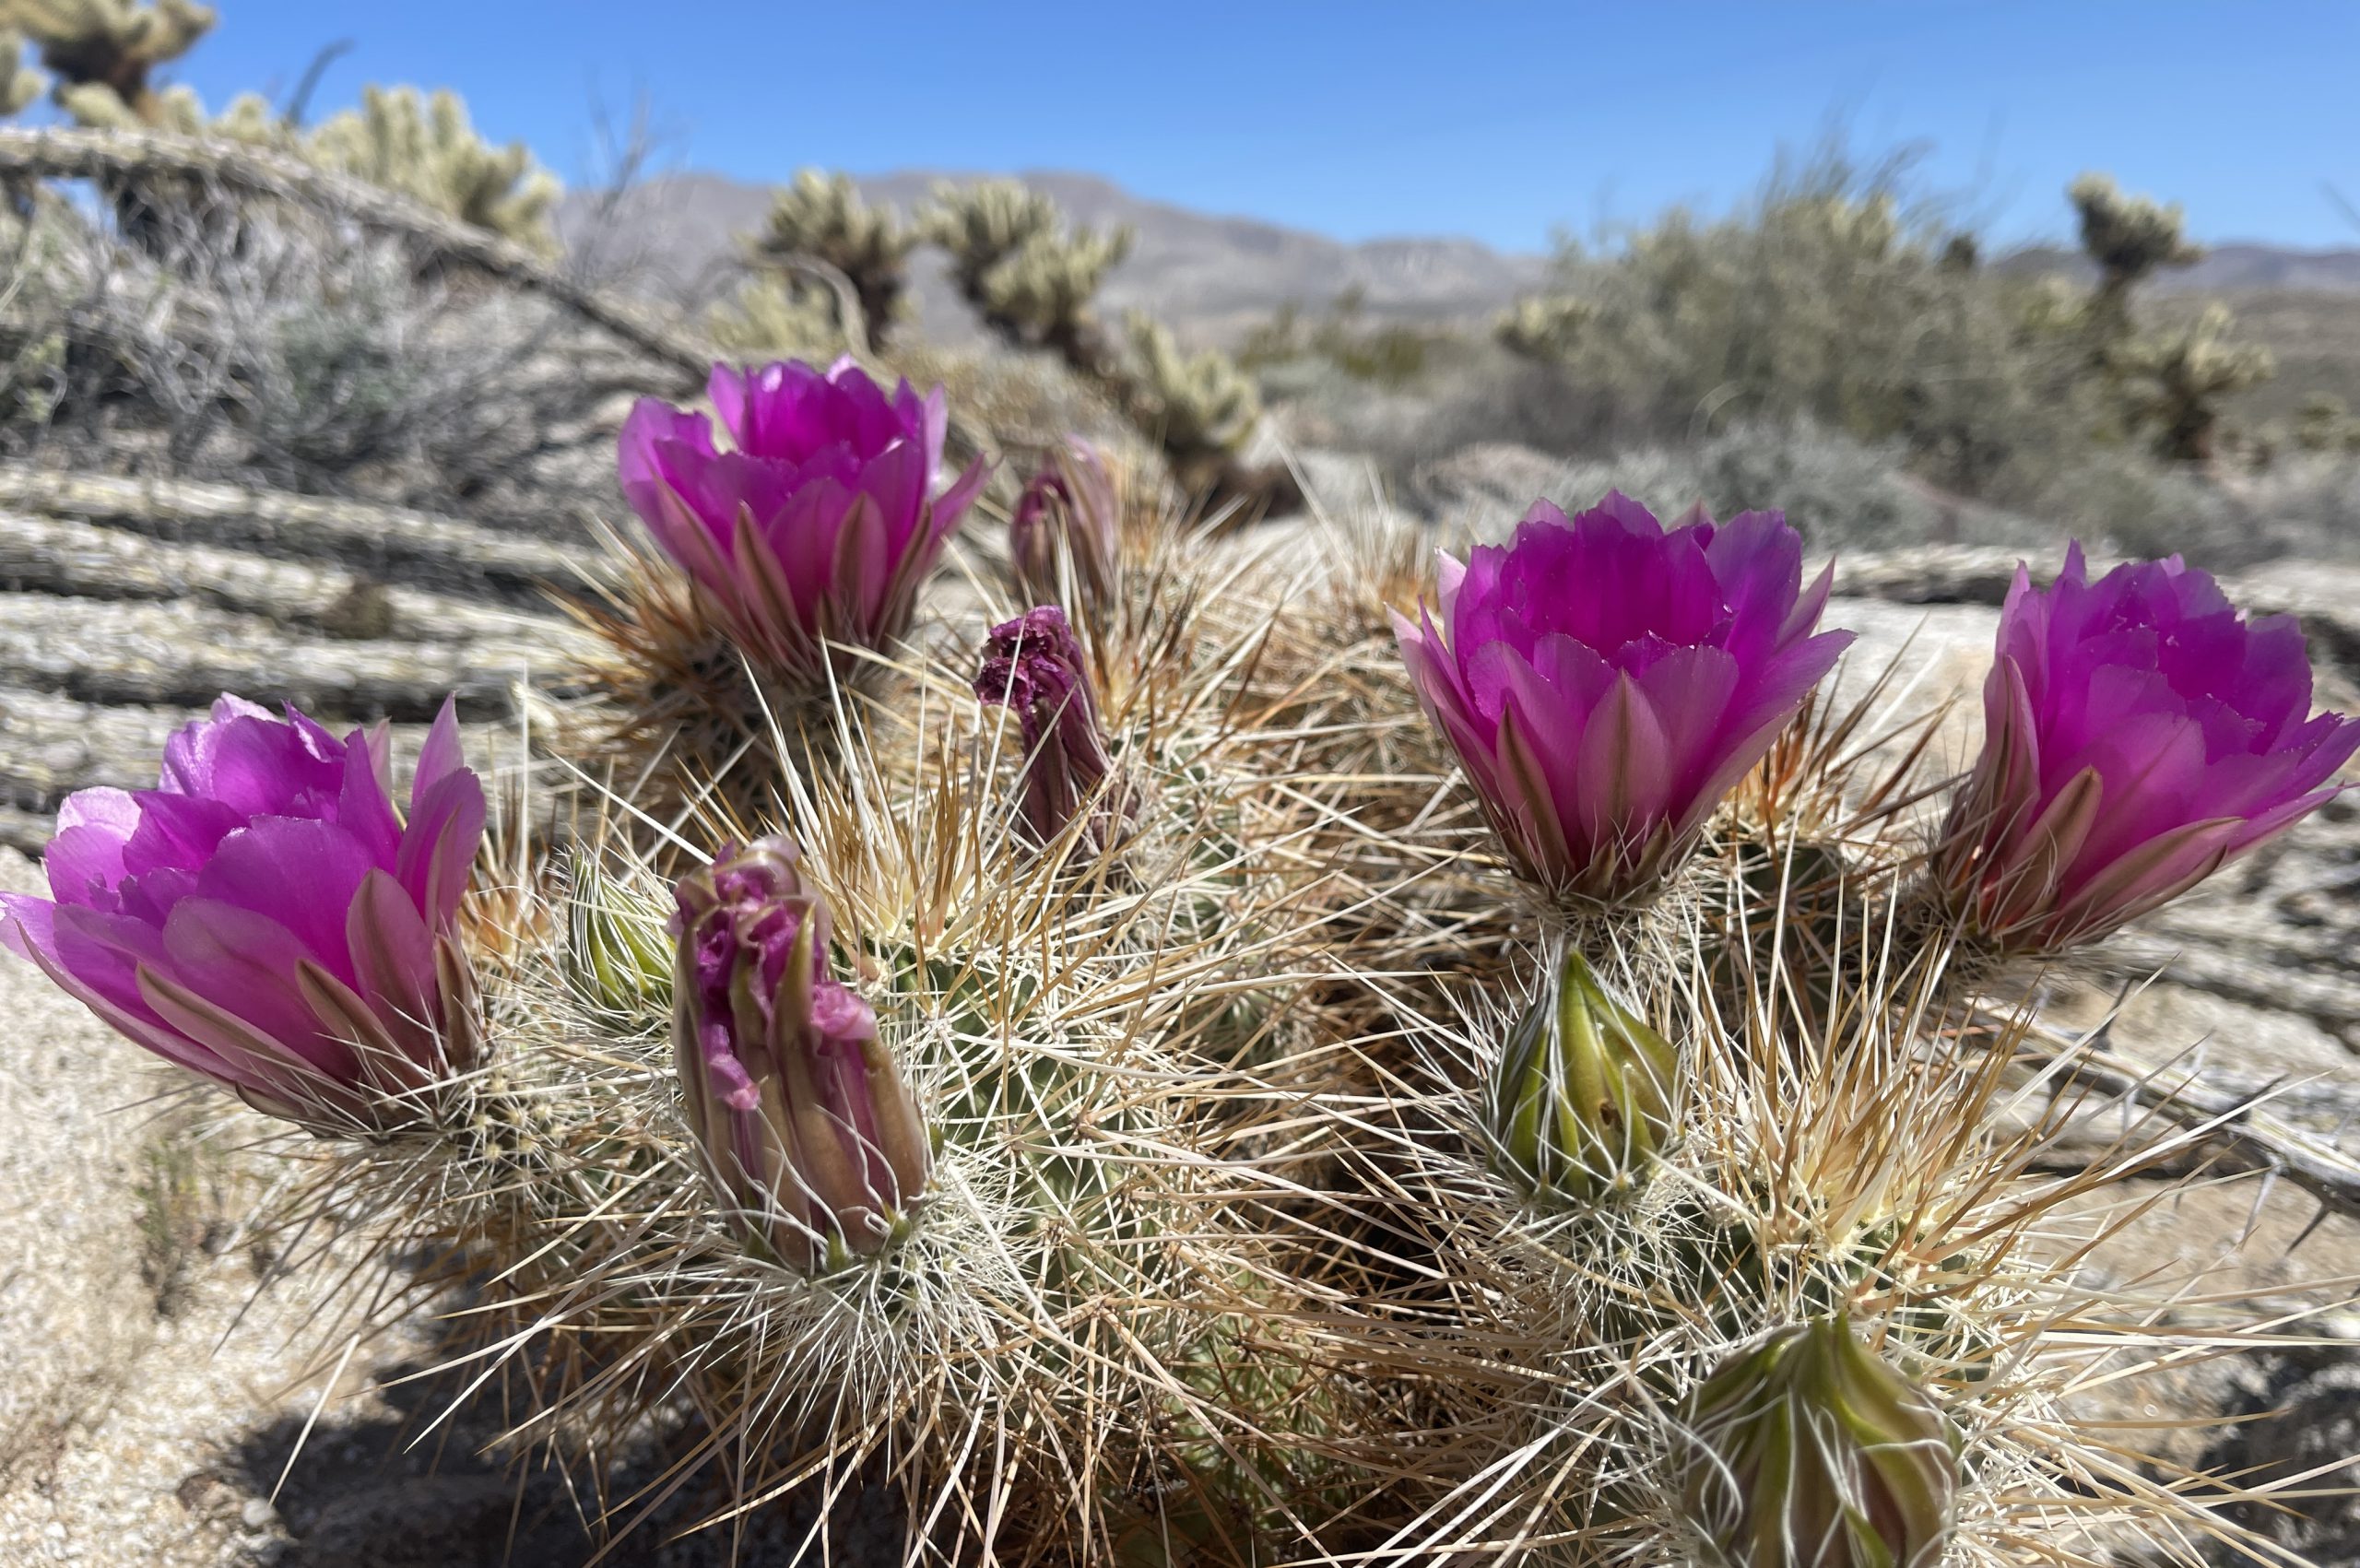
{"x": 71, "y": 557}
{"x": 184, "y": 655}
{"x": 384, "y": 541}
{"x": 60, "y": 154}
{"x": 2239, "y": 1129}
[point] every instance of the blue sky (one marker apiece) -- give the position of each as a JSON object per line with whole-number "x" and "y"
{"x": 1492, "y": 119}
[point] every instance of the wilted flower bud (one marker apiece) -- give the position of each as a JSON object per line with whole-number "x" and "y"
{"x": 1070, "y": 508}
{"x": 1034, "y": 665}
{"x": 809, "y": 1133}
{"x": 1581, "y": 1102}
{"x": 1809, "y": 1451}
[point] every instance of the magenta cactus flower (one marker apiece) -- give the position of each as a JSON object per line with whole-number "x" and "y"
{"x": 264, "y": 918}
{"x": 821, "y": 522}
{"x": 808, "y": 1133}
{"x": 1605, "y": 681}
{"x": 1068, "y": 508}
{"x": 1034, "y": 665}
{"x": 2139, "y": 733}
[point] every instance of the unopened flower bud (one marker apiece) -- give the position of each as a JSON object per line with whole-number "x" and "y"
{"x": 617, "y": 959}
{"x": 808, "y": 1132}
{"x": 1581, "y": 1102}
{"x": 1810, "y": 1451}
{"x": 1069, "y": 510}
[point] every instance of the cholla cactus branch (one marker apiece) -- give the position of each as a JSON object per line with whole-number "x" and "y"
{"x": 1031, "y": 278}
{"x": 425, "y": 148}
{"x": 1545, "y": 327}
{"x": 109, "y": 46}
{"x": 2128, "y": 237}
{"x": 819, "y": 227}
{"x": 19, "y": 83}
{"x": 2173, "y": 382}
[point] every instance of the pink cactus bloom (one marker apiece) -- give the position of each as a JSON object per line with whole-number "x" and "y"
{"x": 264, "y": 919}
{"x": 818, "y": 527}
{"x": 808, "y": 1133}
{"x": 1606, "y": 681}
{"x": 2138, "y": 733}
{"x": 1035, "y": 666}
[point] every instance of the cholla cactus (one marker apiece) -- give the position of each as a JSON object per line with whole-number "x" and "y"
{"x": 424, "y": 148}
{"x": 984, "y": 223}
{"x": 1031, "y": 278}
{"x": 1042, "y": 289}
{"x": 102, "y": 50}
{"x": 19, "y": 83}
{"x": 2173, "y": 382}
{"x": 1544, "y": 327}
{"x": 767, "y": 317}
{"x": 821, "y": 216}
{"x": 2129, "y": 237}
{"x": 1199, "y": 405}
{"x": 2325, "y": 424}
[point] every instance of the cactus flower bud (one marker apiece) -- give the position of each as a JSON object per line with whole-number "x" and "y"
{"x": 808, "y": 1132}
{"x": 1581, "y": 1102}
{"x": 617, "y": 958}
{"x": 1810, "y": 1451}
{"x": 1034, "y": 665}
{"x": 1071, "y": 501}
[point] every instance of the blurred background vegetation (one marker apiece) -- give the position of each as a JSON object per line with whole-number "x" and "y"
{"x": 375, "y": 301}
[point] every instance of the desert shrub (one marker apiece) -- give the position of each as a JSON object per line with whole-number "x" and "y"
{"x": 1833, "y": 298}
{"x": 290, "y": 350}
{"x": 1387, "y": 354}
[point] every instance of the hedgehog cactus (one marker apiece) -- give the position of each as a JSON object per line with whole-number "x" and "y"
{"x": 1224, "y": 1204}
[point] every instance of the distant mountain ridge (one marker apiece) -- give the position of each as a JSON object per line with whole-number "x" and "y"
{"x": 2232, "y": 266}
{"x": 1211, "y": 276}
